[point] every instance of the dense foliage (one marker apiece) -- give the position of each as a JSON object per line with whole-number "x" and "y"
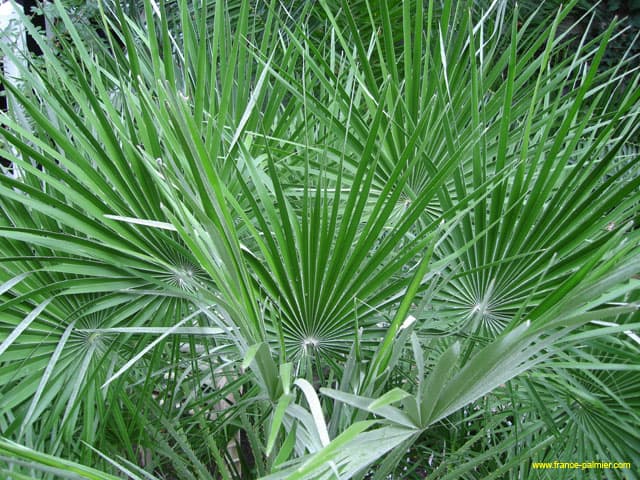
{"x": 293, "y": 240}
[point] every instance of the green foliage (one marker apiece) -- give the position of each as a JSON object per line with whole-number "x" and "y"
{"x": 589, "y": 19}
{"x": 343, "y": 240}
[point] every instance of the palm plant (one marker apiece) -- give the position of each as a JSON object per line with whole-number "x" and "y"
{"x": 376, "y": 240}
